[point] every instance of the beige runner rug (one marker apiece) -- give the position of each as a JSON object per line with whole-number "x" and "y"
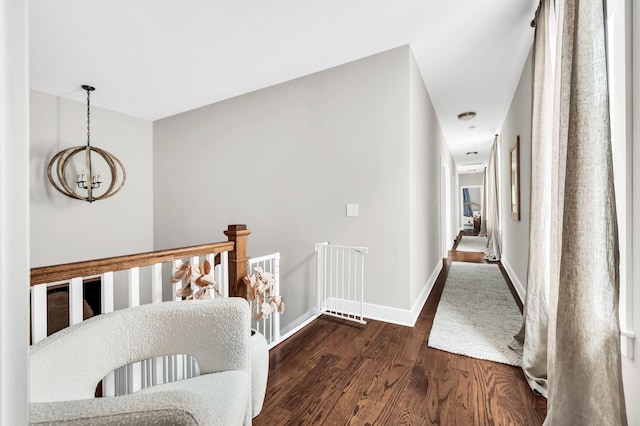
{"x": 471, "y": 243}
{"x": 477, "y": 315}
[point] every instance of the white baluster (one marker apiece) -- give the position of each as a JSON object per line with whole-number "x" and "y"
{"x": 166, "y": 365}
{"x": 76, "y": 301}
{"x": 157, "y": 367}
{"x": 215, "y": 272}
{"x": 178, "y": 364}
{"x": 134, "y": 286}
{"x": 187, "y": 366}
{"x": 156, "y": 283}
{"x": 106, "y": 305}
{"x": 185, "y": 360}
{"x": 38, "y": 312}
{"x": 276, "y": 319}
{"x": 224, "y": 281}
{"x": 177, "y": 286}
{"x": 157, "y": 364}
{"x": 106, "y": 292}
{"x": 134, "y": 371}
{"x": 171, "y": 368}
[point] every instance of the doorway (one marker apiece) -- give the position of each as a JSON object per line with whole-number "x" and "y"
{"x": 445, "y": 208}
{"x": 470, "y": 208}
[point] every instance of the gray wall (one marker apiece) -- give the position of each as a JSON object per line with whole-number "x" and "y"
{"x": 427, "y": 146}
{"x": 515, "y": 240}
{"x": 67, "y": 230}
{"x": 286, "y": 159}
{"x": 469, "y": 179}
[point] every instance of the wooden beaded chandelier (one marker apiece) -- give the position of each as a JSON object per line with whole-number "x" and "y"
{"x": 89, "y": 179}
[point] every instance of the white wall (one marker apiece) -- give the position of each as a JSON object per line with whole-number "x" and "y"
{"x": 470, "y": 179}
{"x": 515, "y": 234}
{"x": 285, "y": 160}
{"x": 14, "y": 212}
{"x": 631, "y": 368}
{"x": 67, "y": 230}
{"x": 427, "y": 145}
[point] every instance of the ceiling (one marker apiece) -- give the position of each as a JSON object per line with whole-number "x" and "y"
{"x": 156, "y": 58}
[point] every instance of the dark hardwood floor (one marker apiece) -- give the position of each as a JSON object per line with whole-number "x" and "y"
{"x": 337, "y": 373}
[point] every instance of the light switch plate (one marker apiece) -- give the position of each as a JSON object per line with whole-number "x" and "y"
{"x": 352, "y": 209}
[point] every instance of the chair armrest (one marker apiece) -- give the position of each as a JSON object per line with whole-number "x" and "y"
{"x": 213, "y": 399}
{"x": 168, "y": 408}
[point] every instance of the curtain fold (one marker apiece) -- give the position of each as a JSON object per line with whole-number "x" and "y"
{"x": 536, "y": 304}
{"x": 492, "y": 214}
{"x": 483, "y": 208}
{"x": 587, "y": 334}
{"x": 571, "y": 335}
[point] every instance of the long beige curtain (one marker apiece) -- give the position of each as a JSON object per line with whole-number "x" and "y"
{"x": 492, "y": 212}
{"x": 571, "y": 334}
{"x": 536, "y": 306}
{"x": 483, "y": 208}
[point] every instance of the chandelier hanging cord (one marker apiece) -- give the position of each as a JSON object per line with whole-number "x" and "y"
{"x": 89, "y": 89}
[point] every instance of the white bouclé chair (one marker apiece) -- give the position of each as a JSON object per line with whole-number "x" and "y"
{"x": 67, "y": 366}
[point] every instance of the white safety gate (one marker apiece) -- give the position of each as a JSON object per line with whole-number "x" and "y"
{"x": 340, "y": 281}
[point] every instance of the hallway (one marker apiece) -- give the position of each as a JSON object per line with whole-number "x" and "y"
{"x": 337, "y": 373}
{"x": 463, "y": 256}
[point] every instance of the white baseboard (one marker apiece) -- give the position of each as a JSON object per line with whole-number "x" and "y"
{"x": 406, "y": 317}
{"x": 297, "y": 325}
{"x": 388, "y": 314}
{"x": 376, "y": 312}
{"x": 514, "y": 278}
{"x": 424, "y": 294}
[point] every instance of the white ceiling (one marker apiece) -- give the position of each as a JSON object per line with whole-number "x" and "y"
{"x": 156, "y": 58}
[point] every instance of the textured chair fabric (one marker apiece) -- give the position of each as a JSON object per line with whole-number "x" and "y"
{"x": 67, "y": 366}
{"x": 259, "y": 371}
{"x": 212, "y": 399}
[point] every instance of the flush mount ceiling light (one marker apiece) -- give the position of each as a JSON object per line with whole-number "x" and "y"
{"x": 472, "y": 153}
{"x": 88, "y": 178}
{"x": 466, "y": 116}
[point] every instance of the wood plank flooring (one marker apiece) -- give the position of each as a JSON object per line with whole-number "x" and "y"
{"x": 338, "y": 373}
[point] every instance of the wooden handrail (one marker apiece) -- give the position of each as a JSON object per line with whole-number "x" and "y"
{"x": 55, "y": 273}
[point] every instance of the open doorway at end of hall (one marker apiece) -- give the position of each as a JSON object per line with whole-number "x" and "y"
{"x": 470, "y": 209}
